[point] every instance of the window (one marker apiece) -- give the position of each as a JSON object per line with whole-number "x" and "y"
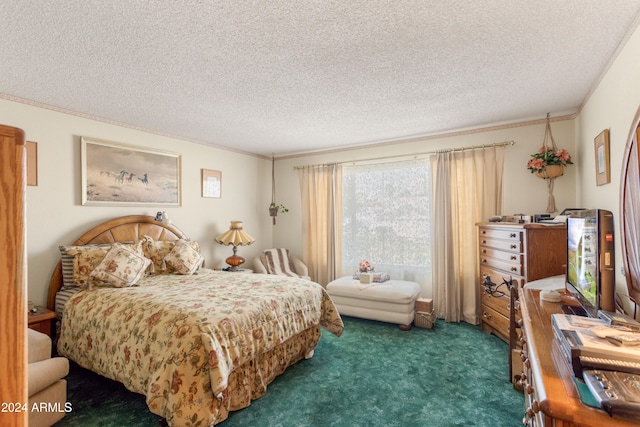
{"x": 386, "y": 217}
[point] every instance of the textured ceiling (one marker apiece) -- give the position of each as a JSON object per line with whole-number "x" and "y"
{"x": 285, "y": 77}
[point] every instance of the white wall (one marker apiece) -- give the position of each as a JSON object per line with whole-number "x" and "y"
{"x": 612, "y": 106}
{"x": 56, "y": 216}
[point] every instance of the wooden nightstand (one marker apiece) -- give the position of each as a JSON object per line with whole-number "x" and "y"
{"x": 41, "y": 320}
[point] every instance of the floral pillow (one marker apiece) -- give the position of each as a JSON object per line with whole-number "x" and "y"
{"x": 123, "y": 266}
{"x": 156, "y": 251}
{"x": 184, "y": 258}
{"x": 79, "y": 261}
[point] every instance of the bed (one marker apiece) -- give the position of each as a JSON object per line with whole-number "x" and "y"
{"x": 197, "y": 345}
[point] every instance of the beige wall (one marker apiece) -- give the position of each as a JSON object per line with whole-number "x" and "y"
{"x": 612, "y": 106}
{"x": 56, "y": 216}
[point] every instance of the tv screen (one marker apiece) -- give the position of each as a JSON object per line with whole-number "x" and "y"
{"x": 590, "y": 260}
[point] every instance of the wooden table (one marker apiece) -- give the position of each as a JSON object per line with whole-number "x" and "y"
{"x": 42, "y": 320}
{"x": 551, "y": 396}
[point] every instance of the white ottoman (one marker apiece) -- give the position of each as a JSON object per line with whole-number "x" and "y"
{"x": 392, "y": 301}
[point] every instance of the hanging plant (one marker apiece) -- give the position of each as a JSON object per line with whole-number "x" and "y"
{"x": 274, "y": 208}
{"x": 549, "y": 163}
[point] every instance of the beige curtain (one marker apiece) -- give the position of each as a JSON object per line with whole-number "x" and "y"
{"x": 321, "y": 231}
{"x": 467, "y": 188}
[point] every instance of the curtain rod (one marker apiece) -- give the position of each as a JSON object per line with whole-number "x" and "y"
{"x": 444, "y": 150}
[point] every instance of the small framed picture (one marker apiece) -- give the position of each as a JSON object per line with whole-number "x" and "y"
{"x": 32, "y": 163}
{"x": 211, "y": 183}
{"x": 603, "y": 172}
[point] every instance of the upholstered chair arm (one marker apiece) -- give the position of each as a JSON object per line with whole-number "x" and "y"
{"x": 258, "y": 267}
{"x": 46, "y": 372}
{"x": 299, "y": 267}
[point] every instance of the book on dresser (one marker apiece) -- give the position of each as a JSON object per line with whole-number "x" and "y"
{"x": 592, "y": 343}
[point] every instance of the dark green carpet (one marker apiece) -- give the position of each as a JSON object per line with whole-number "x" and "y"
{"x": 374, "y": 375}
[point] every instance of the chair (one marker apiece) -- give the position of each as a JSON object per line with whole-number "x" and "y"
{"x": 47, "y": 386}
{"x": 280, "y": 262}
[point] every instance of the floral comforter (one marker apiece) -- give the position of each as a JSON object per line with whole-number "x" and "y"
{"x": 177, "y": 339}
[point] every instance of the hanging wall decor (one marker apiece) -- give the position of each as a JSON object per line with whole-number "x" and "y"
{"x": 549, "y": 162}
{"x": 601, "y": 145}
{"x": 274, "y": 208}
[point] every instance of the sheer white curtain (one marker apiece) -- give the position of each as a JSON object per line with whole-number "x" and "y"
{"x": 320, "y": 193}
{"x": 386, "y": 216}
{"x": 467, "y": 189}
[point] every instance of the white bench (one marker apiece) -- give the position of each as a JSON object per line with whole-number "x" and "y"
{"x": 392, "y": 301}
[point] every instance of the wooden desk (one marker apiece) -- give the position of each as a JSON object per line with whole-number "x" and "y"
{"x": 42, "y": 320}
{"x": 551, "y": 397}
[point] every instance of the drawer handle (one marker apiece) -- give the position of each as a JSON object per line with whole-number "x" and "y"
{"x": 484, "y": 260}
{"x": 513, "y": 257}
{"x": 486, "y": 315}
{"x": 514, "y": 269}
{"x": 512, "y": 235}
{"x": 484, "y": 242}
{"x": 484, "y": 251}
{"x": 513, "y": 246}
{"x": 484, "y": 231}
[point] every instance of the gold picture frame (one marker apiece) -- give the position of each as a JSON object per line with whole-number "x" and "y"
{"x": 211, "y": 183}
{"x": 115, "y": 174}
{"x": 603, "y": 169}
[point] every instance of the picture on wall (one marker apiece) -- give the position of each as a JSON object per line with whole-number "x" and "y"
{"x": 118, "y": 174}
{"x": 211, "y": 183}
{"x": 601, "y": 144}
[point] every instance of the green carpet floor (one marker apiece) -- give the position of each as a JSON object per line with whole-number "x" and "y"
{"x": 374, "y": 375}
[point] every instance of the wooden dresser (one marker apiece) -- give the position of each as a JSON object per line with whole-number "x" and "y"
{"x": 551, "y": 396}
{"x": 13, "y": 277}
{"x": 523, "y": 252}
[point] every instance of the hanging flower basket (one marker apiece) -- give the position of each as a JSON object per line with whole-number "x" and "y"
{"x": 549, "y": 162}
{"x": 550, "y": 171}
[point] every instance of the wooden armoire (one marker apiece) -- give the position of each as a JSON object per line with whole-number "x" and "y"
{"x": 13, "y": 286}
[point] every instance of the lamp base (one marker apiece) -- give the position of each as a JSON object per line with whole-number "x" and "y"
{"x": 234, "y": 261}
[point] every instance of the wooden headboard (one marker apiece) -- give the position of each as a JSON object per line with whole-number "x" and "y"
{"x": 123, "y": 229}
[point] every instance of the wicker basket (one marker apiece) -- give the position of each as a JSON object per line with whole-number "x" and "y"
{"x": 551, "y": 171}
{"x": 424, "y": 320}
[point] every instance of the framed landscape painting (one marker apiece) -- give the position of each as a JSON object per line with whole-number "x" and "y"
{"x": 118, "y": 174}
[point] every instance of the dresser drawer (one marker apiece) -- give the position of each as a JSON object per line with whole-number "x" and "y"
{"x": 510, "y": 267}
{"x": 515, "y": 235}
{"x": 498, "y": 276}
{"x": 501, "y": 255}
{"x": 497, "y": 302}
{"x": 504, "y": 245}
{"x": 494, "y": 321}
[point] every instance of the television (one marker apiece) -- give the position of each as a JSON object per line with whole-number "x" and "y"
{"x": 590, "y": 272}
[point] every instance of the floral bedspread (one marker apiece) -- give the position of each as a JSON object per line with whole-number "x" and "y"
{"x": 177, "y": 339}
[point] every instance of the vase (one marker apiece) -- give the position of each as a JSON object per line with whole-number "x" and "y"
{"x": 551, "y": 171}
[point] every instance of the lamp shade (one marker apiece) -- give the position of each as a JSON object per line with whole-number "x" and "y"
{"x": 235, "y": 236}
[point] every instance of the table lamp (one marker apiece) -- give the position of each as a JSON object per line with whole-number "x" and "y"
{"x": 237, "y": 237}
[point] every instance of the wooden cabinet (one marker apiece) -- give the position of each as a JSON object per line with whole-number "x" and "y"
{"x": 42, "y": 320}
{"x": 551, "y": 396}
{"x": 522, "y": 252}
{"x": 13, "y": 285}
